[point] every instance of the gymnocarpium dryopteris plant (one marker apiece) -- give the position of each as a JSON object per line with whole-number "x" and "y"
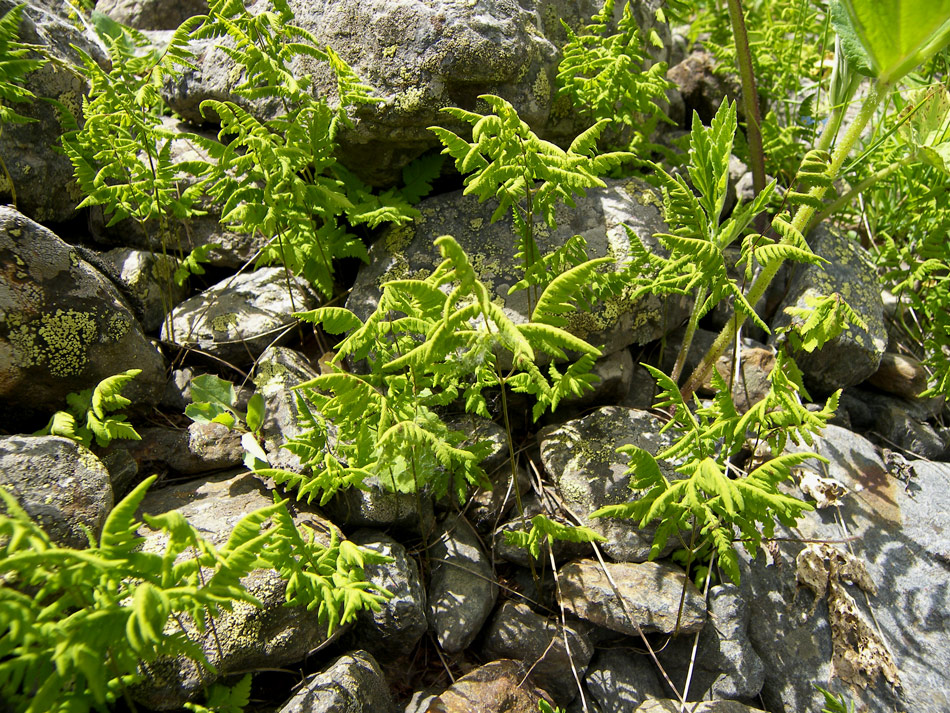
{"x": 603, "y": 76}
{"x": 507, "y": 161}
{"x": 430, "y": 343}
{"x": 278, "y": 177}
{"x": 14, "y": 66}
{"x": 883, "y": 39}
{"x": 121, "y": 154}
{"x": 77, "y": 624}
{"x": 88, "y": 414}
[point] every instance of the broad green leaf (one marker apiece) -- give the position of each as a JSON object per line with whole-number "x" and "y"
{"x": 254, "y": 455}
{"x": 255, "y": 412}
{"x": 898, "y": 35}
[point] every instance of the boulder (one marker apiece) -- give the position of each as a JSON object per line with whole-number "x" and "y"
{"x": 648, "y": 596}
{"x": 497, "y": 687}
{"x": 352, "y": 683}
{"x": 520, "y": 634}
{"x": 856, "y": 353}
{"x": 60, "y": 484}
{"x": 240, "y": 316}
{"x": 618, "y": 681}
{"x": 896, "y": 531}
{"x": 152, "y": 14}
{"x": 401, "y": 623}
{"x": 64, "y": 326}
{"x": 149, "y": 277}
{"x": 462, "y": 589}
{"x": 408, "y": 252}
{"x": 201, "y": 448}
{"x": 581, "y": 458}
{"x": 42, "y": 176}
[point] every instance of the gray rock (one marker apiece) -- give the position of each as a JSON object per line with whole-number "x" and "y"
{"x": 353, "y": 683}
{"x": 59, "y": 483}
{"x": 152, "y": 14}
{"x": 122, "y": 466}
{"x": 149, "y": 277}
{"x": 408, "y": 252}
{"x": 581, "y": 458}
{"x": 520, "y": 634}
{"x": 63, "y": 326}
{"x": 276, "y": 373}
{"x": 561, "y": 549}
{"x": 462, "y": 589}
{"x": 618, "y": 681}
{"x": 401, "y": 623}
{"x": 497, "y": 686}
{"x": 854, "y": 354}
{"x": 418, "y": 58}
{"x": 670, "y": 706}
{"x": 898, "y": 533}
{"x": 703, "y": 89}
{"x": 247, "y": 637}
{"x": 614, "y": 374}
{"x": 726, "y": 666}
{"x": 239, "y": 317}
{"x": 377, "y": 506}
{"x": 201, "y": 448}
{"x": 42, "y": 175}
{"x": 649, "y": 592}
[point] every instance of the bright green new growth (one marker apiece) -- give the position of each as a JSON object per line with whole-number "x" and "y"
{"x": 225, "y": 699}
{"x": 713, "y": 502}
{"x": 545, "y": 530}
{"x": 429, "y": 343}
{"x": 603, "y": 76}
{"x": 88, "y": 416}
{"x": 78, "y": 623}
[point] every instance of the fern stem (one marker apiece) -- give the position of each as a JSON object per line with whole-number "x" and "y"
{"x": 750, "y": 98}
{"x": 690, "y": 332}
{"x": 800, "y": 223}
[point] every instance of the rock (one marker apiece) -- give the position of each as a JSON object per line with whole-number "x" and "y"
{"x": 276, "y": 373}
{"x": 401, "y": 623}
{"x": 495, "y": 687}
{"x": 239, "y": 317}
{"x": 562, "y": 549}
{"x": 408, "y": 252}
{"x": 518, "y": 633}
{"x": 753, "y": 384}
{"x": 352, "y": 684}
{"x": 380, "y": 507}
{"x": 856, "y": 353}
{"x": 123, "y": 468}
{"x": 59, "y": 483}
{"x": 462, "y": 589}
{"x": 900, "y": 375}
{"x": 618, "y": 681}
{"x": 202, "y": 448}
{"x": 63, "y": 326}
{"x": 643, "y": 390}
{"x": 149, "y": 277}
{"x": 581, "y": 458}
{"x": 896, "y": 422}
{"x": 418, "y": 58}
{"x": 727, "y": 667}
{"x": 703, "y": 89}
{"x": 152, "y": 14}
{"x": 650, "y": 592}
{"x": 42, "y": 175}
{"x": 896, "y": 530}
{"x": 249, "y": 637}
{"x": 670, "y": 706}
{"x": 615, "y": 375}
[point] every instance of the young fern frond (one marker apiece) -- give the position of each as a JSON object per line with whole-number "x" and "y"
{"x": 545, "y": 530}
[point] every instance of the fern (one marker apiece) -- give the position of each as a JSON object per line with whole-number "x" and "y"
{"x": 714, "y": 502}
{"x": 77, "y": 624}
{"x": 604, "y": 78}
{"x": 88, "y": 416}
{"x": 544, "y": 530}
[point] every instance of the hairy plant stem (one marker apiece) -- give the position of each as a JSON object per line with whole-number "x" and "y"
{"x": 750, "y": 99}
{"x": 800, "y": 223}
{"x": 690, "y": 332}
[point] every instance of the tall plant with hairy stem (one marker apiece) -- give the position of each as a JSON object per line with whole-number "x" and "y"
{"x": 884, "y": 40}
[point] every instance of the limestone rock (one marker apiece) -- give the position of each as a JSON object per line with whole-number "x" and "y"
{"x": 462, "y": 589}
{"x": 239, "y": 317}
{"x": 352, "y": 683}
{"x": 650, "y": 593}
{"x": 409, "y": 252}
{"x": 63, "y": 326}
{"x": 59, "y": 483}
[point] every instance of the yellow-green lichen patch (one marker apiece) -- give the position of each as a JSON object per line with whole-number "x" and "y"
{"x": 223, "y": 322}
{"x": 411, "y": 100}
{"x": 72, "y": 101}
{"x": 542, "y": 88}
{"x": 399, "y": 238}
{"x": 390, "y": 51}
{"x": 118, "y": 327}
{"x": 59, "y": 340}
{"x": 476, "y": 223}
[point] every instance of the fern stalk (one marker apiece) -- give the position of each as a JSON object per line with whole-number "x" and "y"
{"x": 800, "y": 223}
